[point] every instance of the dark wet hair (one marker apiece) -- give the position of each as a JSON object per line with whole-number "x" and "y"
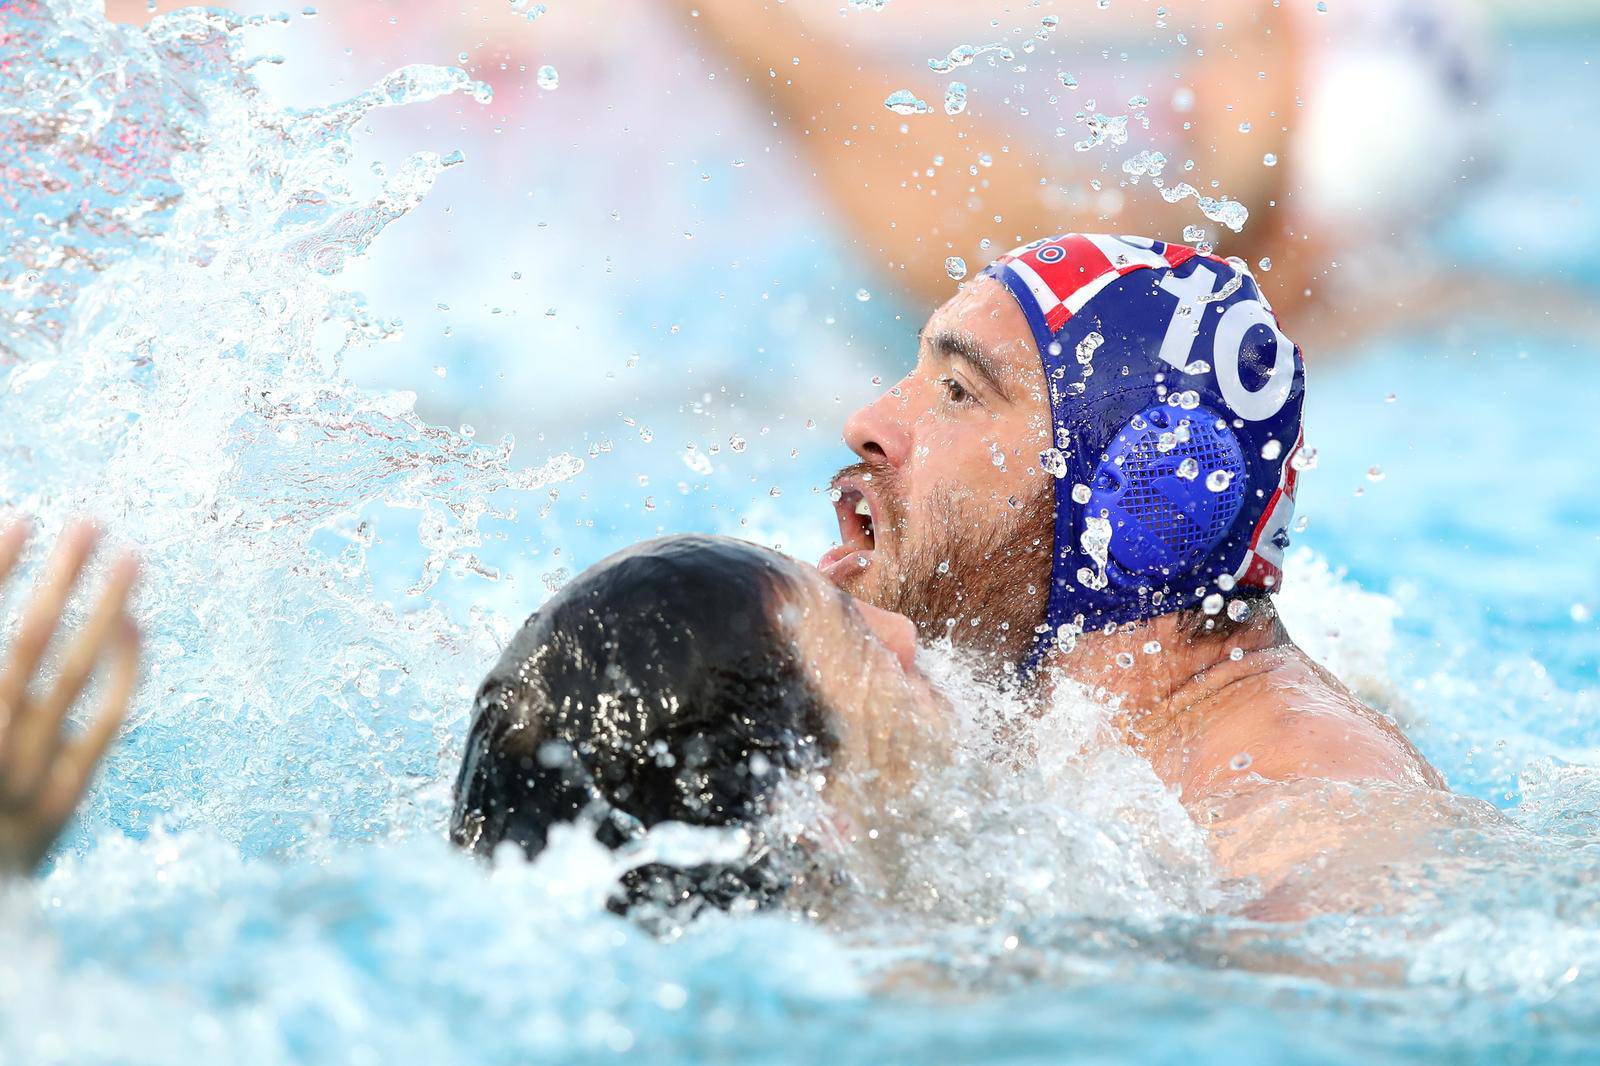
{"x": 656, "y": 686}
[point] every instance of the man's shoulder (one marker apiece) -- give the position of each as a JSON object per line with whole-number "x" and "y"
{"x": 1295, "y": 721}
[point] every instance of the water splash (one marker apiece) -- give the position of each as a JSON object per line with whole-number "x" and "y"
{"x": 177, "y": 372}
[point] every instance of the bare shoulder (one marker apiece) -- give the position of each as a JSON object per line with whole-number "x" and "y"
{"x": 1292, "y": 720}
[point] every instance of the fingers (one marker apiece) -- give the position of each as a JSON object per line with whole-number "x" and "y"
{"x": 77, "y": 763}
{"x": 87, "y": 648}
{"x": 44, "y": 613}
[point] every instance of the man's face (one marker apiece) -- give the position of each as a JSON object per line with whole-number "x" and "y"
{"x": 948, "y": 516}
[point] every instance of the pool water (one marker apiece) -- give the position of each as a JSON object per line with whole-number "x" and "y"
{"x": 260, "y": 875}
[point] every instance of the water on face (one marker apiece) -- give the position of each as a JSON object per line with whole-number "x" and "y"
{"x": 260, "y": 874}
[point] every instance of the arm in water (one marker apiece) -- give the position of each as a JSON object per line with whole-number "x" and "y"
{"x": 43, "y": 773}
{"x": 909, "y": 214}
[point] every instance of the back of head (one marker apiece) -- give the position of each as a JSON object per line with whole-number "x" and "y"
{"x": 657, "y": 686}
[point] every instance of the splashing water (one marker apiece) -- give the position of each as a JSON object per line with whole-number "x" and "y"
{"x": 174, "y": 368}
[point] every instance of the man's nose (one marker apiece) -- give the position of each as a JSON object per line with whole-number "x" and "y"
{"x": 880, "y": 432}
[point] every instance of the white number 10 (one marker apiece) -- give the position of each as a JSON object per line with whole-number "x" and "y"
{"x": 1184, "y": 325}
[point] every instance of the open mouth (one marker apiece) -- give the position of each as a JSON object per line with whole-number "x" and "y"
{"x": 857, "y": 535}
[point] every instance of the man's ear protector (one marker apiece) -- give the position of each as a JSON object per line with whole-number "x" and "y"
{"x": 1170, "y": 485}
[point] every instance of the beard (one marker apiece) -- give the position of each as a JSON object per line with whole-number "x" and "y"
{"x": 966, "y": 572}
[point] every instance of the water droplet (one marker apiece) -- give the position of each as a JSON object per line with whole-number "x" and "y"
{"x": 1152, "y": 647}
{"x": 1212, "y": 604}
{"x": 548, "y": 78}
{"x": 1375, "y": 473}
{"x": 956, "y": 267}
{"x": 1218, "y": 480}
{"x": 955, "y": 98}
{"x": 1270, "y": 159}
{"x": 1087, "y": 347}
{"x": 905, "y": 102}
{"x": 1125, "y": 659}
{"x": 1189, "y": 469}
{"x": 1054, "y": 463}
{"x": 1240, "y": 762}
{"x": 697, "y": 461}
{"x": 863, "y": 295}
{"x": 1080, "y": 494}
{"x": 738, "y": 443}
{"x": 1193, "y": 233}
{"x": 1147, "y": 163}
{"x": 1266, "y": 263}
{"x": 1271, "y": 450}
{"x": 1238, "y": 610}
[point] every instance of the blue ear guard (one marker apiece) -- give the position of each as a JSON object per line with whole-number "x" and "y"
{"x": 1171, "y": 484}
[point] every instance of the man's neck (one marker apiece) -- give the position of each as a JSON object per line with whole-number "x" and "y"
{"x": 1158, "y": 672}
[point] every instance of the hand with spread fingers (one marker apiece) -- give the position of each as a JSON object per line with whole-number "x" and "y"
{"x": 44, "y": 772}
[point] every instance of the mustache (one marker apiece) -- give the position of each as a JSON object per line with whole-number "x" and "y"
{"x": 887, "y": 491}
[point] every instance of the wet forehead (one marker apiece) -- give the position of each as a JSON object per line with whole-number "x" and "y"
{"x": 985, "y": 313}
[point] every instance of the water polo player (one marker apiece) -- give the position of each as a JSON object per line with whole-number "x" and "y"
{"x": 1090, "y": 474}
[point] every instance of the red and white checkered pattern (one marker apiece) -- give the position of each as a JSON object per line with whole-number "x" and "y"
{"x": 1064, "y": 273}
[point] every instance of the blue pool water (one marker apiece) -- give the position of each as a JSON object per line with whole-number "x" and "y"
{"x": 260, "y": 875}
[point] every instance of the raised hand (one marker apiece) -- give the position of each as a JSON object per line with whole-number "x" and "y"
{"x": 43, "y": 772}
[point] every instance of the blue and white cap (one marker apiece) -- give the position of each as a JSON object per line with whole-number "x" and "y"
{"x": 1175, "y": 400}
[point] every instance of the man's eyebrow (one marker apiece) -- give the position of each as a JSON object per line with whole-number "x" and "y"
{"x": 964, "y": 346}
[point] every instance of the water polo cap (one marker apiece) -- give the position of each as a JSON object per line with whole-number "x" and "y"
{"x": 1175, "y": 403}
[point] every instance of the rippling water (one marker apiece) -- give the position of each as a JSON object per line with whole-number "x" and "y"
{"x": 260, "y": 875}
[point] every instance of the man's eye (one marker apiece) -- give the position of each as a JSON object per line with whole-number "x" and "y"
{"x": 954, "y": 390}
